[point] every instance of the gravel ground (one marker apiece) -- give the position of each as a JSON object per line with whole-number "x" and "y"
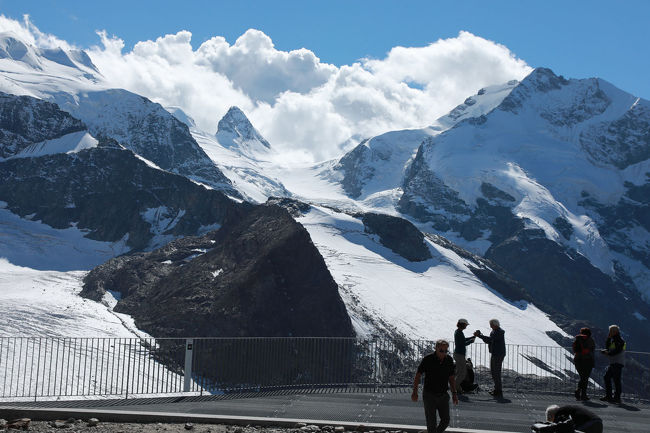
{"x": 72, "y": 425}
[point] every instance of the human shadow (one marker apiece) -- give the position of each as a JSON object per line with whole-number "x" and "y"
{"x": 629, "y": 407}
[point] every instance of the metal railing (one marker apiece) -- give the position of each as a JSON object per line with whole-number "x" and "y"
{"x": 33, "y": 367}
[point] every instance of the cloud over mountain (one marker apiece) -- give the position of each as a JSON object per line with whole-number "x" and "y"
{"x": 305, "y": 108}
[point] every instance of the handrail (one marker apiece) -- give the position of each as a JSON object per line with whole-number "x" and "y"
{"x": 40, "y": 367}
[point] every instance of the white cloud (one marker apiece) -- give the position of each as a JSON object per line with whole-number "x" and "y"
{"x": 29, "y": 33}
{"x": 303, "y": 106}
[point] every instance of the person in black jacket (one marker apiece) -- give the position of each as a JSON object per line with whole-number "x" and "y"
{"x": 582, "y": 418}
{"x": 497, "y": 346}
{"x": 583, "y": 358}
{"x": 615, "y": 350}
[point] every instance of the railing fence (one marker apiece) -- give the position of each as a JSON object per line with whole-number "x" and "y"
{"x": 33, "y": 367}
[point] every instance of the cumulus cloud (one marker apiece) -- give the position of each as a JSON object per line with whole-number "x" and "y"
{"x": 304, "y": 107}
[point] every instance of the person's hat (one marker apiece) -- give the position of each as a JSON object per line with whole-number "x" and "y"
{"x": 463, "y": 321}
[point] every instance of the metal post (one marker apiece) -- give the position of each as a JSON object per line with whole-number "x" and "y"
{"x": 188, "y": 364}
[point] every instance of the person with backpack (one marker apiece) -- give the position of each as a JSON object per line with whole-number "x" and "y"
{"x": 583, "y": 358}
{"x": 468, "y": 385}
{"x": 615, "y": 350}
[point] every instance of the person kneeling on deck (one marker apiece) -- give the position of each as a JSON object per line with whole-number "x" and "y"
{"x": 438, "y": 369}
{"x": 574, "y": 418}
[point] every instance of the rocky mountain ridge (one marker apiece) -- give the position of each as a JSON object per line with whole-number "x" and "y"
{"x": 256, "y": 276}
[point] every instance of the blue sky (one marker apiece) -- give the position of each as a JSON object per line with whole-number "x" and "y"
{"x": 577, "y": 39}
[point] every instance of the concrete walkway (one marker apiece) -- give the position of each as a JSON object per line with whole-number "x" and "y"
{"x": 389, "y": 409}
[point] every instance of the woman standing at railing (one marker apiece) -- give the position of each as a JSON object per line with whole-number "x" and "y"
{"x": 615, "y": 350}
{"x": 583, "y": 358}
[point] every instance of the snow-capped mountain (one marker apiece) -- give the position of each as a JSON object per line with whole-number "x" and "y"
{"x": 69, "y": 79}
{"x": 538, "y": 186}
{"x": 235, "y": 131}
{"x": 241, "y": 152}
{"x": 55, "y": 172}
{"x": 545, "y": 178}
{"x": 378, "y": 164}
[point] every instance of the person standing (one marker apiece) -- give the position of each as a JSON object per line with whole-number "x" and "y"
{"x": 615, "y": 350}
{"x": 583, "y": 358}
{"x": 438, "y": 370}
{"x": 581, "y": 418}
{"x": 460, "y": 350}
{"x": 497, "y": 346}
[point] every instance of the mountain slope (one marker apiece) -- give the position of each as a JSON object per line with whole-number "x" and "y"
{"x": 378, "y": 163}
{"x": 100, "y": 188}
{"x": 69, "y": 79}
{"x": 529, "y": 186}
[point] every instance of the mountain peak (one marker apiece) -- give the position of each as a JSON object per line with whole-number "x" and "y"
{"x": 12, "y": 48}
{"x": 235, "y": 129}
{"x": 544, "y": 80}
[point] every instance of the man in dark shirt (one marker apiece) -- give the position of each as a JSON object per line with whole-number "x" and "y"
{"x": 438, "y": 370}
{"x": 583, "y": 419}
{"x": 497, "y": 347}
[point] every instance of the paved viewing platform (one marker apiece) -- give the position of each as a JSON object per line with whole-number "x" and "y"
{"x": 388, "y": 409}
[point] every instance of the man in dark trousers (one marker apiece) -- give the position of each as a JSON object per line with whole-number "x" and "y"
{"x": 460, "y": 349}
{"x": 615, "y": 351}
{"x": 438, "y": 370}
{"x": 497, "y": 346}
{"x": 583, "y": 419}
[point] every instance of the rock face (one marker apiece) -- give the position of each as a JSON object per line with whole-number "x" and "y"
{"x": 257, "y": 276}
{"x": 105, "y": 190}
{"x": 112, "y": 194}
{"x": 397, "y": 234}
{"x": 148, "y": 130}
{"x": 25, "y": 120}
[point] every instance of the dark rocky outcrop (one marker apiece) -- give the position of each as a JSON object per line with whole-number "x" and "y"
{"x": 563, "y": 281}
{"x": 148, "y": 130}
{"x": 424, "y": 192}
{"x": 105, "y": 190}
{"x": 622, "y": 142}
{"x": 398, "y": 234}
{"x": 108, "y": 191}
{"x": 259, "y": 275}
{"x": 25, "y": 120}
{"x": 355, "y": 173}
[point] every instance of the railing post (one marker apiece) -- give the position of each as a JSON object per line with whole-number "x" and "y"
{"x": 188, "y": 364}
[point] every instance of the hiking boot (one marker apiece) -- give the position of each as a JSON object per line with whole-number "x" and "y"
{"x": 616, "y": 400}
{"x": 584, "y": 397}
{"x": 496, "y": 394}
{"x": 577, "y": 394}
{"x": 607, "y": 398}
